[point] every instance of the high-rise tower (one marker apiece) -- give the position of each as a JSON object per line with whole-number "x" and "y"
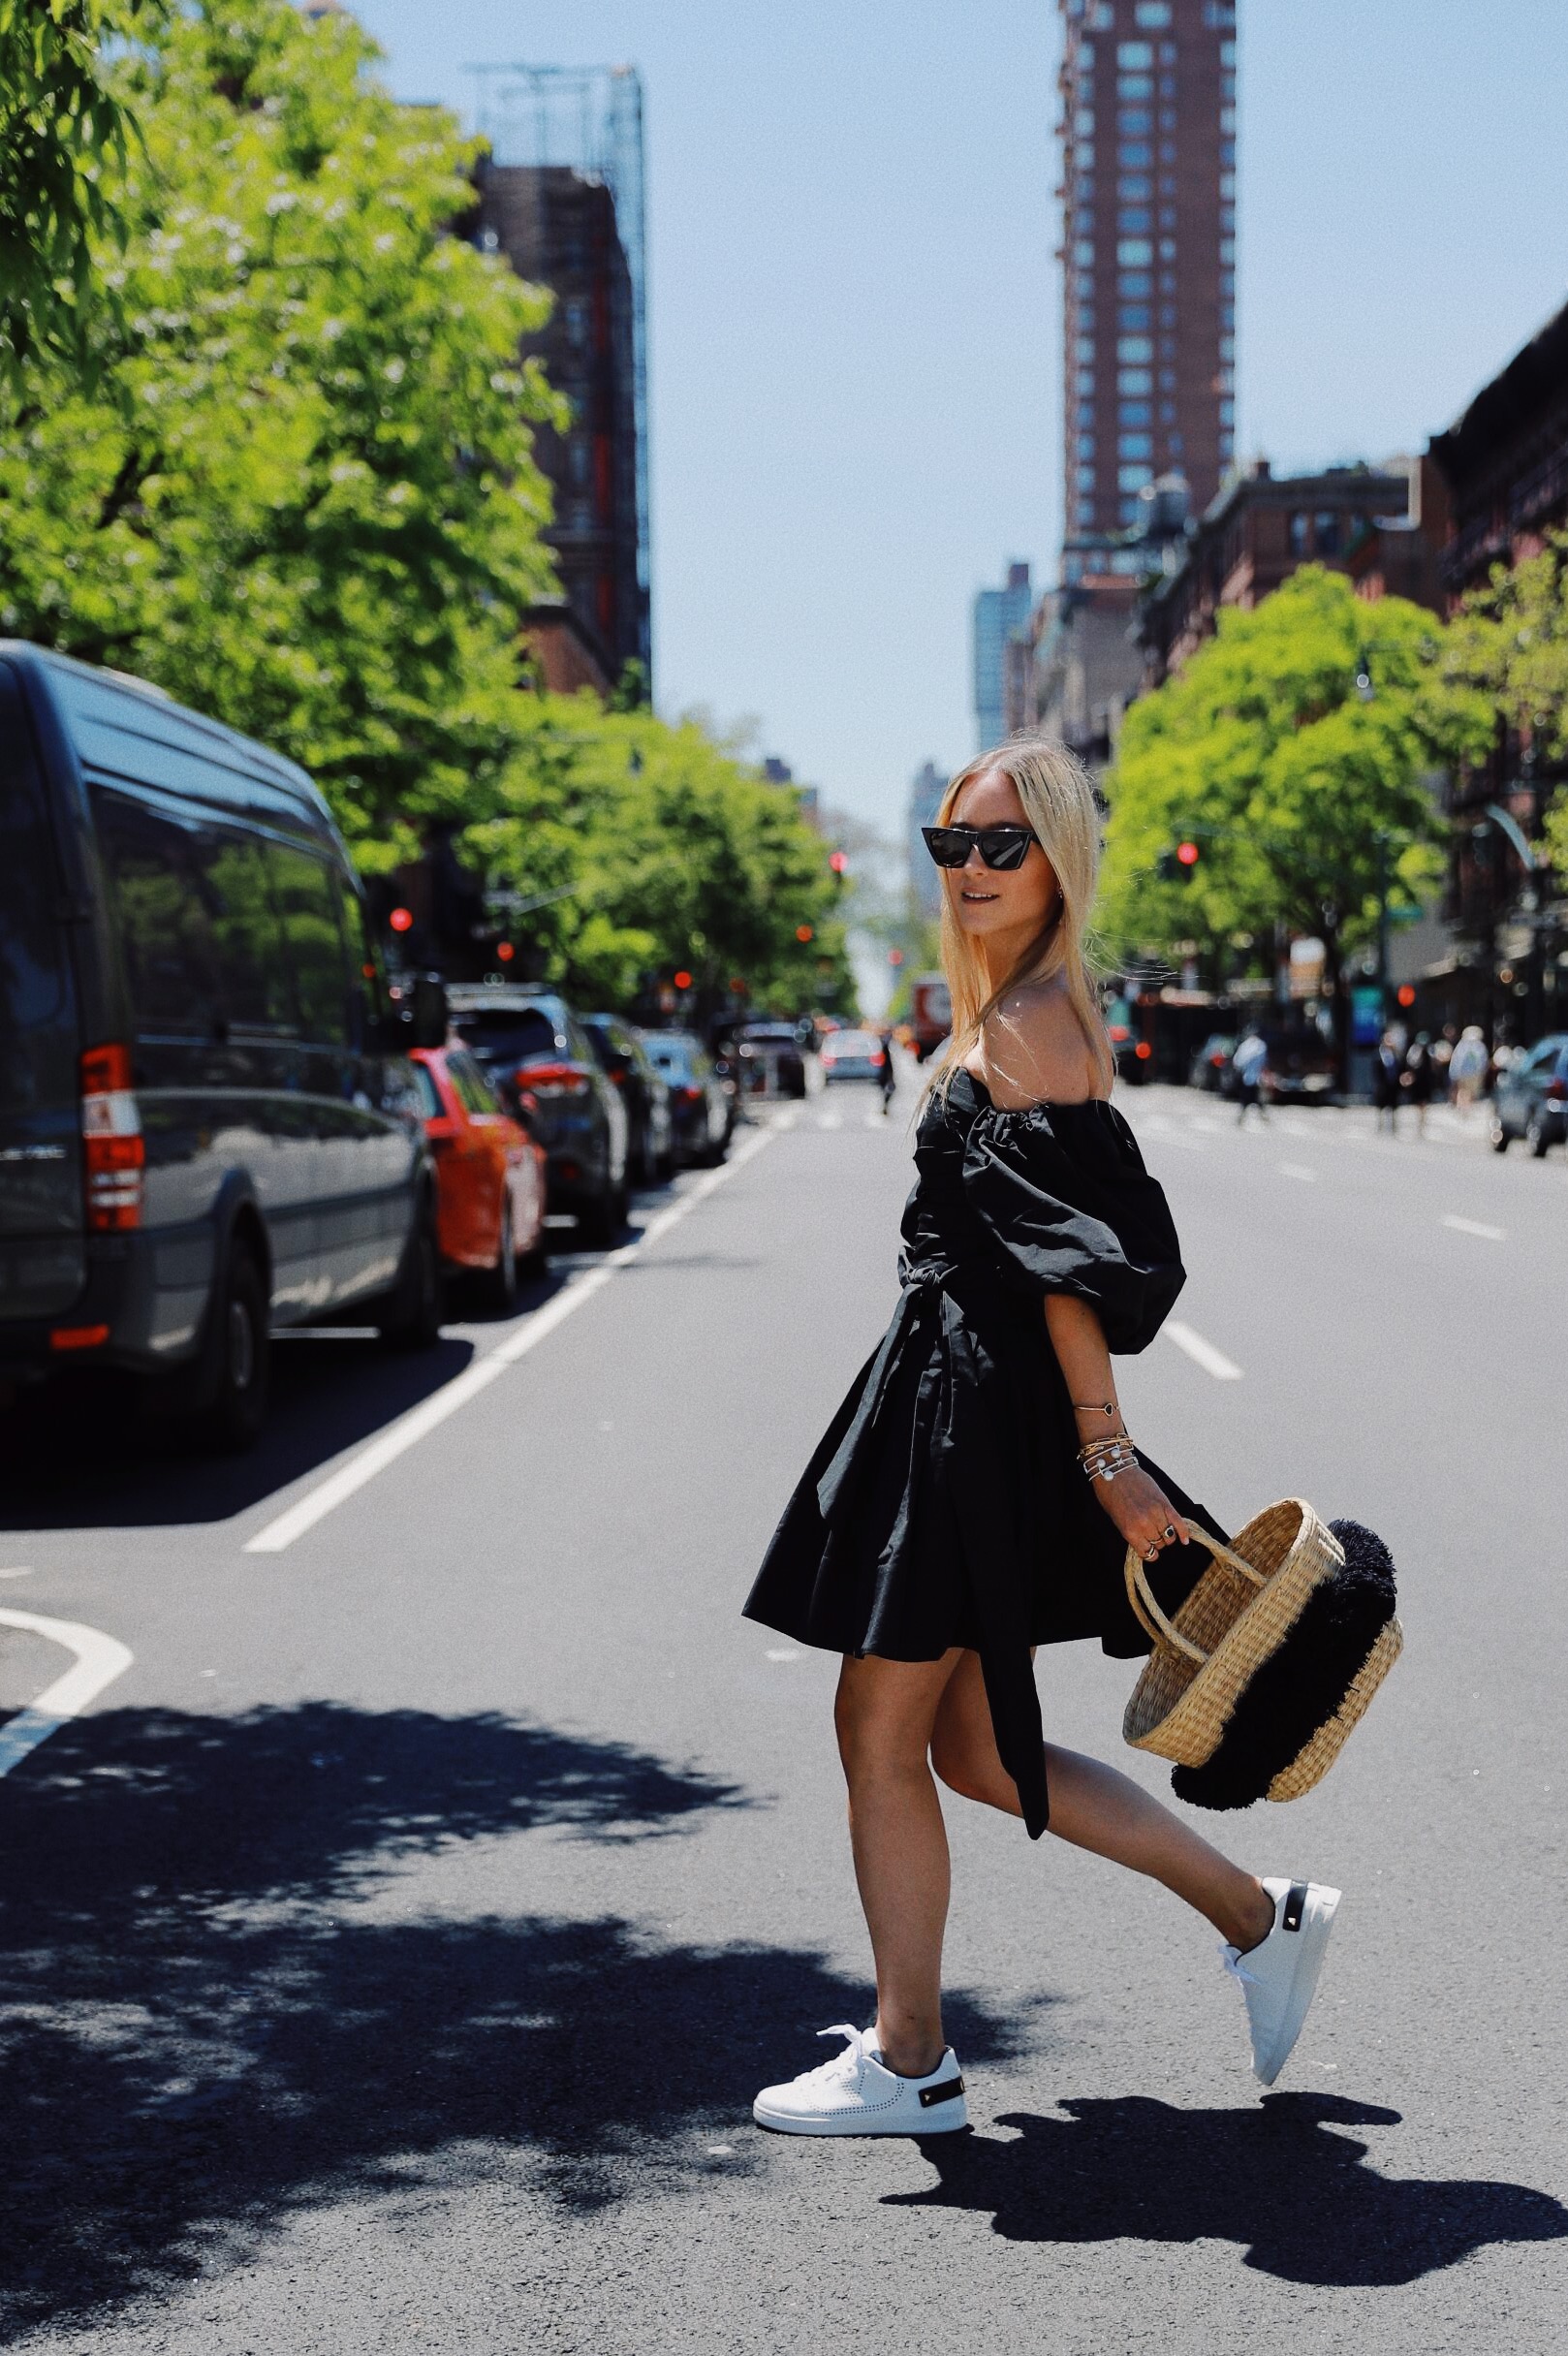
{"x": 1148, "y": 248}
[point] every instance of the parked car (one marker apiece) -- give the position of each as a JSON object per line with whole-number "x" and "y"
{"x": 206, "y": 1126}
{"x": 768, "y": 1060}
{"x": 852, "y": 1055}
{"x": 644, "y": 1092}
{"x": 530, "y": 1042}
{"x": 1302, "y": 1069}
{"x": 489, "y": 1176}
{"x": 702, "y": 1112}
{"x": 1210, "y": 1067}
{"x": 1531, "y": 1098}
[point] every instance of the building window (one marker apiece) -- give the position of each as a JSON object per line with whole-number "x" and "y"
{"x": 1167, "y": 217}
{"x": 1227, "y": 53}
{"x": 1083, "y": 254}
{"x": 1084, "y": 385}
{"x": 1136, "y": 191}
{"x": 1135, "y": 286}
{"x": 1326, "y": 532}
{"x": 1227, "y": 412}
{"x": 1084, "y": 155}
{"x": 1132, "y": 510}
{"x": 1134, "y": 254}
{"x": 1135, "y": 221}
{"x": 1227, "y": 155}
{"x": 1133, "y": 414}
{"x": 1167, "y": 119}
{"x": 1226, "y": 89}
{"x": 1083, "y": 192}
{"x": 1084, "y": 447}
{"x": 1135, "y": 382}
{"x": 1084, "y": 324}
{"x": 1227, "y": 347}
{"x": 1297, "y": 531}
{"x": 1224, "y": 381}
{"x": 1227, "y": 122}
{"x": 1227, "y": 252}
{"x": 1167, "y": 383}
{"x": 1083, "y": 286}
{"x": 1167, "y": 412}
{"x": 1134, "y": 349}
{"x": 1133, "y": 478}
{"x": 1168, "y": 318}
{"x": 1167, "y": 282}
{"x": 1085, "y": 414}
{"x": 1136, "y": 155}
{"x": 1085, "y": 478}
{"x": 1135, "y": 55}
{"x": 1227, "y": 188}
{"x": 1135, "y": 122}
{"x": 1168, "y": 249}
{"x": 1134, "y": 319}
{"x": 1083, "y": 122}
{"x": 1152, "y": 15}
{"x": 1083, "y": 347}
{"x": 1102, "y": 16}
{"x": 1135, "y": 446}
{"x": 1220, "y": 13}
{"x": 1134, "y": 88}
{"x": 1226, "y": 220}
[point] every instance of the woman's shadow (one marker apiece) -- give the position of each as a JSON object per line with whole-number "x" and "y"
{"x": 1278, "y": 2180}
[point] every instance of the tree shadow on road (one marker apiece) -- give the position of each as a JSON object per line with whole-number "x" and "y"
{"x": 215, "y": 2018}
{"x": 1276, "y": 2179}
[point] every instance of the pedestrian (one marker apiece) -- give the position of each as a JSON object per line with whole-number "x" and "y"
{"x": 976, "y": 1491}
{"x": 1388, "y": 1069}
{"x": 1419, "y": 1079}
{"x": 887, "y": 1078}
{"x": 1247, "y": 1067}
{"x": 1467, "y": 1067}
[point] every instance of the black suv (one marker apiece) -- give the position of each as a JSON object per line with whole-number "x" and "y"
{"x": 204, "y": 1128}
{"x": 538, "y": 1056}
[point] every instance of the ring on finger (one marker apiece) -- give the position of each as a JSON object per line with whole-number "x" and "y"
{"x": 1150, "y": 1552}
{"x": 1169, "y": 1530}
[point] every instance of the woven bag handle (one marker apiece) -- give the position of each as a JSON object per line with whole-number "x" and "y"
{"x": 1146, "y": 1609}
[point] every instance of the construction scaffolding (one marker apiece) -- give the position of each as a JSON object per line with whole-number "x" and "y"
{"x": 589, "y": 119}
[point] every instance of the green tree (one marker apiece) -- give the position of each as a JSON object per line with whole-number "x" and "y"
{"x": 65, "y": 142}
{"x": 1509, "y": 642}
{"x": 299, "y": 489}
{"x": 1295, "y": 750}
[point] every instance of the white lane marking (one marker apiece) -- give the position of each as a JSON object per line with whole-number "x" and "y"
{"x": 1202, "y": 1353}
{"x": 829, "y": 1120}
{"x": 782, "y": 1652}
{"x": 100, "y": 1660}
{"x": 1299, "y": 1170}
{"x": 410, "y": 1429}
{"x": 1475, "y": 1227}
{"x": 22, "y": 1570}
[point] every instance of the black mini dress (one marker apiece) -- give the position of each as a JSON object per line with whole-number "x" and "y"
{"x": 945, "y": 1504}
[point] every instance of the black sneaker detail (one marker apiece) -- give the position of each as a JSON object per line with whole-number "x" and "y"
{"x": 945, "y": 2093}
{"x": 1295, "y": 1904}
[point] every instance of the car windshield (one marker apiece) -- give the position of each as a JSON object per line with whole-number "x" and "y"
{"x": 670, "y": 1055}
{"x": 508, "y": 1034}
{"x": 851, "y": 1043}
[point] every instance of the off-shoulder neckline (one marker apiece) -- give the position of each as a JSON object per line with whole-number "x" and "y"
{"x": 1041, "y": 1104}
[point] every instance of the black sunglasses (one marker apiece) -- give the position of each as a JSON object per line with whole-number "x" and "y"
{"x": 1002, "y": 848}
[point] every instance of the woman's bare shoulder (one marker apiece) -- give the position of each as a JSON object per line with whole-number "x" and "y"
{"x": 1035, "y": 1051}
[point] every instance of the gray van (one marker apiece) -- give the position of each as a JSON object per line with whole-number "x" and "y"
{"x": 206, "y": 1128}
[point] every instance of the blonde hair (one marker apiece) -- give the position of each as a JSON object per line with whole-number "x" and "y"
{"x": 1059, "y": 805}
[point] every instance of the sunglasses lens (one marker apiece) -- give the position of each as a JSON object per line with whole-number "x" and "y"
{"x": 1003, "y": 848}
{"x": 948, "y": 846}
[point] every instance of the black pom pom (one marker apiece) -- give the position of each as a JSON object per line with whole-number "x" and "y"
{"x": 1299, "y": 1688}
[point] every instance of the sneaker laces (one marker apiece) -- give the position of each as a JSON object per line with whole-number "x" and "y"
{"x": 1235, "y": 1963}
{"x": 825, "y": 2071}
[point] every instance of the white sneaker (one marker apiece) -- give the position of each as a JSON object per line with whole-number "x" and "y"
{"x": 856, "y": 2093}
{"x": 1279, "y": 1975}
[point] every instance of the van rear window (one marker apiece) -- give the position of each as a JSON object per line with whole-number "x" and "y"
{"x": 512, "y": 1034}
{"x": 38, "y": 1042}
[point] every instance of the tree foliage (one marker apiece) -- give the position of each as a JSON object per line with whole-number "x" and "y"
{"x": 1301, "y": 789}
{"x": 65, "y": 142}
{"x": 1510, "y": 643}
{"x": 299, "y": 489}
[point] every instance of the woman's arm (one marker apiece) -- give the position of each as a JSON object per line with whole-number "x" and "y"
{"x": 1136, "y": 1504}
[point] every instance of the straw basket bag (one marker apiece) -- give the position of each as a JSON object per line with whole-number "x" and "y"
{"x": 1248, "y": 1617}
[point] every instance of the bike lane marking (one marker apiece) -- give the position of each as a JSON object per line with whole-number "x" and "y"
{"x": 100, "y": 1660}
{"x": 1475, "y": 1227}
{"x": 410, "y": 1429}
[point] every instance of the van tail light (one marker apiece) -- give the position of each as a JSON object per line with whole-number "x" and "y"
{"x": 114, "y": 1149}
{"x": 1558, "y": 1091}
{"x": 687, "y": 1095}
{"x": 1143, "y": 1051}
{"x": 553, "y": 1078}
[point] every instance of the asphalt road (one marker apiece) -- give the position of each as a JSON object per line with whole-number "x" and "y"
{"x": 393, "y": 1949}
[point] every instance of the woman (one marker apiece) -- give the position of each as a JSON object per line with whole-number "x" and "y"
{"x": 976, "y": 1492}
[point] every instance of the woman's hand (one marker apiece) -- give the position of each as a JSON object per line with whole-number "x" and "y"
{"x": 1141, "y": 1511}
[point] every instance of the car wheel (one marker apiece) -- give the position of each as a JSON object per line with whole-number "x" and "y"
{"x": 413, "y": 1321}
{"x": 1497, "y": 1135}
{"x": 1536, "y": 1135}
{"x": 499, "y": 1284}
{"x": 600, "y": 1221}
{"x": 241, "y": 1347}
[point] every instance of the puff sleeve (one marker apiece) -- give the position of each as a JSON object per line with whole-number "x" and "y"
{"x": 1063, "y": 1197}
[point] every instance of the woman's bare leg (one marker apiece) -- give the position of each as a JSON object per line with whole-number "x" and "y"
{"x": 1097, "y": 1808}
{"x": 884, "y": 1715}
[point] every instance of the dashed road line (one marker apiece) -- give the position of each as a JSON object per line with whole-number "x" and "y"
{"x": 1202, "y": 1353}
{"x": 410, "y": 1429}
{"x": 1474, "y": 1227}
{"x": 100, "y": 1660}
{"x": 1299, "y": 1170}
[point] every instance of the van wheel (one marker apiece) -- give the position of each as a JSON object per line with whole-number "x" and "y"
{"x": 1497, "y": 1136}
{"x": 413, "y": 1320}
{"x": 1535, "y": 1136}
{"x": 601, "y": 1221}
{"x": 241, "y": 1350}
{"x": 498, "y": 1285}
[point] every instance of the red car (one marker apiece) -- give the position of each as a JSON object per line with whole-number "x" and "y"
{"x": 490, "y": 1175}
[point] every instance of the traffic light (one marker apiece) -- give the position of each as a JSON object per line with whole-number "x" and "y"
{"x": 1178, "y": 866}
{"x": 838, "y": 861}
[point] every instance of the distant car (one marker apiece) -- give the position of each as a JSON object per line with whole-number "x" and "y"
{"x": 1210, "y": 1067}
{"x": 489, "y": 1176}
{"x": 530, "y": 1042}
{"x": 769, "y": 1061}
{"x": 1531, "y": 1098}
{"x": 852, "y": 1055}
{"x": 1133, "y": 1056}
{"x": 702, "y": 1112}
{"x": 1302, "y": 1069}
{"x": 644, "y": 1092}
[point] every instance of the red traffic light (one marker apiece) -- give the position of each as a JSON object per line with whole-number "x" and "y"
{"x": 805, "y": 932}
{"x": 895, "y": 957}
{"x": 1405, "y": 994}
{"x": 838, "y": 861}
{"x": 683, "y": 980}
{"x": 505, "y": 952}
{"x": 402, "y": 919}
{"x": 1187, "y": 853}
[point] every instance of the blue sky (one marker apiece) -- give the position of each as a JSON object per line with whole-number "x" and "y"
{"x": 854, "y": 335}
